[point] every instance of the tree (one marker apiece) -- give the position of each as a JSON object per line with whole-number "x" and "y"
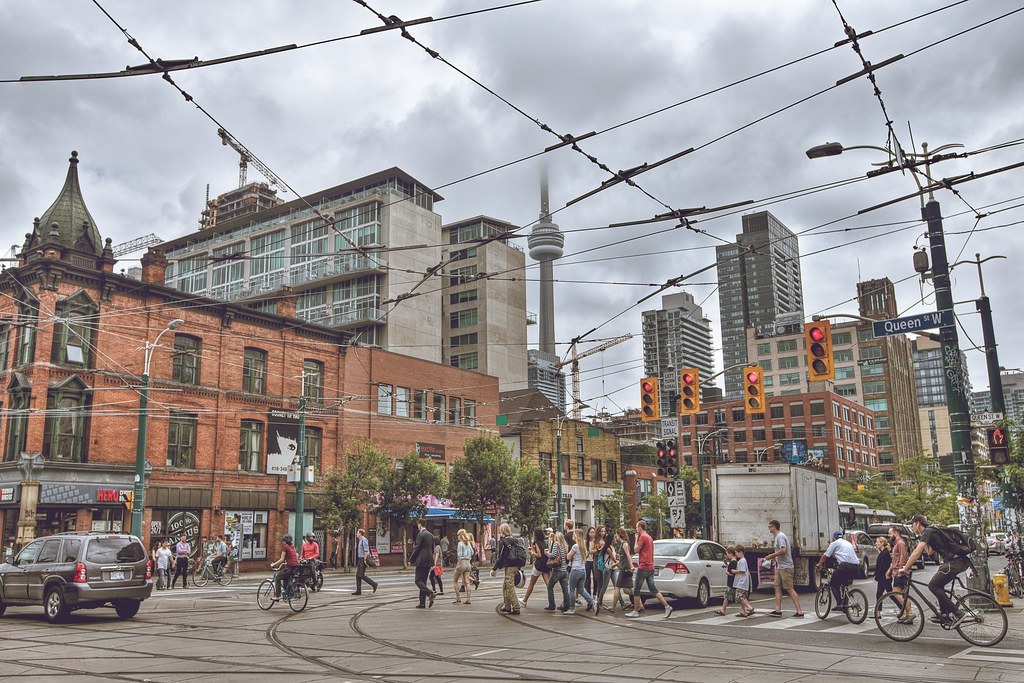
{"x": 404, "y": 486}
{"x": 349, "y": 489}
{"x": 484, "y": 478}
{"x": 531, "y": 503}
{"x": 613, "y": 510}
{"x": 925, "y": 489}
{"x": 656, "y": 510}
{"x": 873, "y": 490}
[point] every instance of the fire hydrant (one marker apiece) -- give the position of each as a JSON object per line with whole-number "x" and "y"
{"x": 1002, "y": 590}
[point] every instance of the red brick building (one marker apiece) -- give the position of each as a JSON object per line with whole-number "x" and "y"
{"x": 225, "y": 383}
{"x": 834, "y": 429}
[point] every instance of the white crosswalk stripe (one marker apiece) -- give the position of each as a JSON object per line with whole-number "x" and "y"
{"x": 991, "y": 655}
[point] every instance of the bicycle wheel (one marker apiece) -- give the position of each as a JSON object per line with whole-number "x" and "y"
{"x": 1016, "y": 588}
{"x": 192, "y": 566}
{"x": 823, "y": 601}
{"x": 888, "y": 611}
{"x": 201, "y": 578}
{"x": 265, "y": 594}
{"x": 298, "y": 596}
{"x": 318, "y": 582}
{"x": 225, "y": 578}
{"x": 856, "y": 606}
{"x": 985, "y": 621}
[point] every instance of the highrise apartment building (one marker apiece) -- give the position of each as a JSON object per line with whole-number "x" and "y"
{"x": 678, "y": 335}
{"x": 483, "y": 301}
{"x": 1013, "y": 396}
{"x": 352, "y": 276}
{"x": 759, "y": 280}
{"x": 929, "y": 378}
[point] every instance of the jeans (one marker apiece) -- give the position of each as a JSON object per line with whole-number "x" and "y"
{"x": 578, "y": 582}
{"x": 560, "y": 577}
{"x": 641, "y": 577}
{"x": 361, "y": 576}
{"x": 944, "y": 575}
{"x": 591, "y": 579}
{"x": 606, "y": 576}
{"x": 162, "y": 579}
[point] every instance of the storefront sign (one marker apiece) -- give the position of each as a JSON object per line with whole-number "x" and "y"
{"x": 8, "y": 494}
{"x": 187, "y": 524}
{"x": 282, "y": 440}
{"x": 81, "y": 494}
{"x": 430, "y": 450}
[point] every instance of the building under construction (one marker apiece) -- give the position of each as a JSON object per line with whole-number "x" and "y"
{"x": 240, "y": 202}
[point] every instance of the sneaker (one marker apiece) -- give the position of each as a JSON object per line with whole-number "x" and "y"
{"x": 571, "y": 611}
{"x": 550, "y": 609}
{"x": 775, "y": 613}
{"x": 906, "y": 620}
{"x": 632, "y": 615}
{"x": 579, "y": 600}
{"x": 798, "y": 615}
{"x": 421, "y": 606}
{"x": 670, "y": 609}
{"x": 374, "y": 589}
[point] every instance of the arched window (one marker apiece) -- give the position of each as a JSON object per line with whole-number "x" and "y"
{"x": 66, "y": 421}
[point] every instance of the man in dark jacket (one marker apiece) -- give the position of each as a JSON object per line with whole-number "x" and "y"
{"x": 423, "y": 558}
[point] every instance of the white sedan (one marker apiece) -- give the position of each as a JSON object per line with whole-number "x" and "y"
{"x": 689, "y": 568}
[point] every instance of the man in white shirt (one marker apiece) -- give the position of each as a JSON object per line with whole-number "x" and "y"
{"x": 847, "y": 565}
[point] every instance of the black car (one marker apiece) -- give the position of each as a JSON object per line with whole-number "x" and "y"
{"x": 72, "y": 571}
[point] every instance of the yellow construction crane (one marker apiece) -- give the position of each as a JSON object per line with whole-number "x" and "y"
{"x": 245, "y": 157}
{"x": 574, "y": 358}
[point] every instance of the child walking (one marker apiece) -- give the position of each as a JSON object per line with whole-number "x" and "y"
{"x": 730, "y": 572}
{"x": 742, "y": 582}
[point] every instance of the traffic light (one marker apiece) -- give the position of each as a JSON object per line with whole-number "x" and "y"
{"x": 753, "y": 390}
{"x": 998, "y": 445}
{"x": 662, "y": 464}
{"x": 820, "y": 363}
{"x": 649, "y": 399}
{"x": 668, "y": 459}
{"x": 689, "y": 383}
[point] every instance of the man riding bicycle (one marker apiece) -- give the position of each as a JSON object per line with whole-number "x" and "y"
{"x": 842, "y": 553}
{"x": 219, "y": 554}
{"x": 933, "y": 540}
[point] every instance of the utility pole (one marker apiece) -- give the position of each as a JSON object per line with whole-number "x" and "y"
{"x": 956, "y": 400}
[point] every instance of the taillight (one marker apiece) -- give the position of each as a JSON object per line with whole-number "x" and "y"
{"x": 80, "y": 573}
{"x": 853, "y": 542}
{"x": 677, "y": 567}
{"x": 149, "y": 570}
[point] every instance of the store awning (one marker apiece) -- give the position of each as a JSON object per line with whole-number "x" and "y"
{"x": 455, "y": 514}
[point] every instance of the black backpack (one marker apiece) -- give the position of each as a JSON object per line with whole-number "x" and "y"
{"x": 517, "y": 554}
{"x": 958, "y": 544}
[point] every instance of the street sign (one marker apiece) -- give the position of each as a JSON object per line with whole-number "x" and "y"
{"x": 986, "y": 418}
{"x": 677, "y": 515}
{"x": 669, "y": 427}
{"x": 676, "y": 493}
{"x": 912, "y": 323}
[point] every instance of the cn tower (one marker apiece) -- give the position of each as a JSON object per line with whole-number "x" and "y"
{"x": 545, "y": 242}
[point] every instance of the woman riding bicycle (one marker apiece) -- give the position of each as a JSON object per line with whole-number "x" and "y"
{"x": 289, "y": 559}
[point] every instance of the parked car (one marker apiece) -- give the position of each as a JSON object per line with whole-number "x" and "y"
{"x": 864, "y": 546}
{"x": 909, "y": 537}
{"x": 996, "y": 545}
{"x": 690, "y": 568}
{"x": 80, "y": 570}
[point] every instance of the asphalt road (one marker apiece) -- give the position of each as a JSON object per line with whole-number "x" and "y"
{"x": 218, "y": 633}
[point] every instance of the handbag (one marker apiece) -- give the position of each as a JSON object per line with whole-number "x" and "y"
{"x": 438, "y": 570}
{"x": 371, "y": 558}
{"x": 555, "y": 559}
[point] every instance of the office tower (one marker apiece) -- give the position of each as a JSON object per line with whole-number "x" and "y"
{"x": 678, "y": 335}
{"x": 759, "y": 280}
{"x": 544, "y": 375}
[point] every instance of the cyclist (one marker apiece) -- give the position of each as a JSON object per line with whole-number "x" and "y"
{"x": 842, "y": 553}
{"x": 288, "y": 557}
{"x": 932, "y": 540}
{"x": 219, "y": 553}
{"x": 310, "y": 548}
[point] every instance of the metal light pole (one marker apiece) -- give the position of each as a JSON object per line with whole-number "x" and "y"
{"x": 701, "y": 442}
{"x": 300, "y": 485}
{"x": 984, "y": 306}
{"x": 140, "y": 446}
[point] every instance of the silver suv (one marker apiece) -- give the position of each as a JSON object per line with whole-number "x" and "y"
{"x": 70, "y": 571}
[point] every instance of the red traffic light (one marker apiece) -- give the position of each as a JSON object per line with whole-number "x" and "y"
{"x": 816, "y": 334}
{"x": 752, "y": 377}
{"x": 648, "y": 386}
{"x": 688, "y": 378}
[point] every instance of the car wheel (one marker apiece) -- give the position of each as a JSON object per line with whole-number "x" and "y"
{"x": 703, "y": 593}
{"x": 126, "y": 609}
{"x": 54, "y": 606}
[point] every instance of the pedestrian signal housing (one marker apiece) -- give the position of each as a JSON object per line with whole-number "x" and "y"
{"x": 999, "y": 445}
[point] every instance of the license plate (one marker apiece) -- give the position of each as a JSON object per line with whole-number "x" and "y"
{"x": 117, "y": 576}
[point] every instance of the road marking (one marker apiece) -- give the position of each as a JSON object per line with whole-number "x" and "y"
{"x": 488, "y": 652}
{"x": 989, "y": 655}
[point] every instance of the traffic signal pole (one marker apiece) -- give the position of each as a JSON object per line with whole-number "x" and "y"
{"x": 955, "y": 375}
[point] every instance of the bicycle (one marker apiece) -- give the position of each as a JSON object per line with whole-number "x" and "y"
{"x": 1013, "y": 574}
{"x": 984, "y": 622}
{"x": 854, "y": 599}
{"x": 203, "y": 576}
{"x": 292, "y": 591}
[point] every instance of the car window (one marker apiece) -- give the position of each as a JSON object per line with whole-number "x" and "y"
{"x": 704, "y": 552}
{"x": 29, "y": 552}
{"x": 718, "y": 553}
{"x": 106, "y": 550}
{"x": 671, "y": 548}
{"x": 49, "y": 552}
{"x": 71, "y": 548}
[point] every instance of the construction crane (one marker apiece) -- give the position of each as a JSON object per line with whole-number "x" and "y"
{"x": 136, "y": 244}
{"x": 245, "y": 157}
{"x": 574, "y": 358}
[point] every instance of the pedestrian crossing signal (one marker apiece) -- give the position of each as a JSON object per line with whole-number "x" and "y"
{"x": 998, "y": 445}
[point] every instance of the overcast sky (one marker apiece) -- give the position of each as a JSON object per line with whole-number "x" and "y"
{"x": 330, "y": 113}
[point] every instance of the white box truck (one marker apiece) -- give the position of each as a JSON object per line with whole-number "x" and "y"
{"x": 744, "y": 497}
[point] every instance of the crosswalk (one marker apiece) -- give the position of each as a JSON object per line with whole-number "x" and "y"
{"x": 986, "y": 654}
{"x": 760, "y": 620}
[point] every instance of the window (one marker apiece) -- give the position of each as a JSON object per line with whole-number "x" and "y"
{"x": 462, "y": 275}
{"x": 817, "y": 407}
{"x": 419, "y": 404}
{"x": 684, "y": 420}
{"x": 579, "y": 444}
{"x": 796, "y": 409}
{"x": 876, "y": 387}
{"x": 267, "y": 262}
{"x": 463, "y": 340}
{"x": 778, "y": 433}
{"x": 702, "y": 419}
{"x": 463, "y": 297}
{"x": 764, "y": 349}
{"x": 314, "y": 439}
{"x": 185, "y": 360}
{"x": 846, "y": 372}
{"x": 876, "y": 404}
{"x": 841, "y": 338}
{"x": 847, "y": 434}
{"x": 869, "y": 352}
{"x": 799, "y": 431}
{"x": 836, "y": 410}
{"x": 758, "y": 434}
{"x": 739, "y": 436}
{"x": 254, "y": 371}
{"x": 581, "y": 467}
{"x": 789, "y": 378}
{"x": 843, "y": 356}
{"x": 312, "y": 379}
{"x": 686, "y": 440}
{"x": 865, "y": 335}
{"x": 17, "y": 420}
{"x": 872, "y": 370}
{"x": 846, "y": 413}
{"x": 64, "y": 432}
{"x": 181, "y": 440}
{"x": 465, "y": 318}
{"x": 739, "y": 415}
{"x": 545, "y": 460}
{"x": 720, "y": 416}
{"x": 846, "y": 389}
{"x": 439, "y": 404}
{"x": 777, "y": 411}
{"x": 613, "y": 470}
{"x": 469, "y": 412}
{"x": 454, "y": 410}
{"x": 250, "y": 446}
{"x": 27, "y": 314}
{"x": 789, "y": 362}
{"x": 228, "y": 271}
{"x": 384, "y": 393}
{"x": 465, "y": 361}
{"x": 786, "y": 345}
{"x": 5, "y": 342}
{"x": 838, "y": 431}
{"x": 769, "y": 380}
{"x": 402, "y": 401}
{"x": 72, "y": 332}
{"x": 595, "y": 470}
{"x": 766, "y": 364}
{"x": 839, "y": 453}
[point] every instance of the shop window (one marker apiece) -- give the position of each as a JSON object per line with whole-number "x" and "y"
{"x": 19, "y": 394}
{"x": 250, "y": 446}
{"x": 181, "y": 440}
{"x": 185, "y": 362}
{"x": 64, "y": 432}
{"x": 254, "y": 371}
{"x": 312, "y": 379}
{"x": 72, "y": 331}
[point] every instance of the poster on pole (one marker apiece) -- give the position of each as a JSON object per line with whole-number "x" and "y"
{"x": 282, "y": 440}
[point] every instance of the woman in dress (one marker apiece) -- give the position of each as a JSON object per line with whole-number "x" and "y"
{"x": 464, "y": 553}
{"x": 540, "y": 564}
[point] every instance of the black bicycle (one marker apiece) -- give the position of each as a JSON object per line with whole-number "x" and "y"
{"x": 900, "y": 616}
{"x": 292, "y": 591}
{"x": 1013, "y": 574}
{"x": 854, "y": 602}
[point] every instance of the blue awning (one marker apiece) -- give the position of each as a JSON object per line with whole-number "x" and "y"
{"x": 455, "y": 514}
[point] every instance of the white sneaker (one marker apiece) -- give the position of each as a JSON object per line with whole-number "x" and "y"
{"x": 668, "y": 612}
{"x": 570, "y": 612}
{"x": 522, "y": 602}
{"x": 633, "y": 614}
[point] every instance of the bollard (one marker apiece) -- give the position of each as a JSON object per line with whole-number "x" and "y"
{"x": 1002, "y": 590}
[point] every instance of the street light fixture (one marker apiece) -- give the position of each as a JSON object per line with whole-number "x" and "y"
{"x": 701, "y": 441}
{"x": 140, "y": 447}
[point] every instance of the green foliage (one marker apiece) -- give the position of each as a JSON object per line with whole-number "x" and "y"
{"x": 925, "y": 489}
{"x": 656, "y": 508}
{"x": 871, "y": 489}
{"x": 349, "y": 489}
{"x": 531, "y": 503}
{"x": 484, "y": 477}
{"x": 404, "y": 486}
{"x": 613, "y": 509}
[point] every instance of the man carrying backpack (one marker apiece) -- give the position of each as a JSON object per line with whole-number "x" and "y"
{"x": 955, "y": 559}
{"x": 510, "y": 556}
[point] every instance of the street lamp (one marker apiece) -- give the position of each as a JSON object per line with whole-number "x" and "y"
{"x": 701, "y": 441}
{"x": 140, "y": 447}
{"x": 758, "y": 452}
